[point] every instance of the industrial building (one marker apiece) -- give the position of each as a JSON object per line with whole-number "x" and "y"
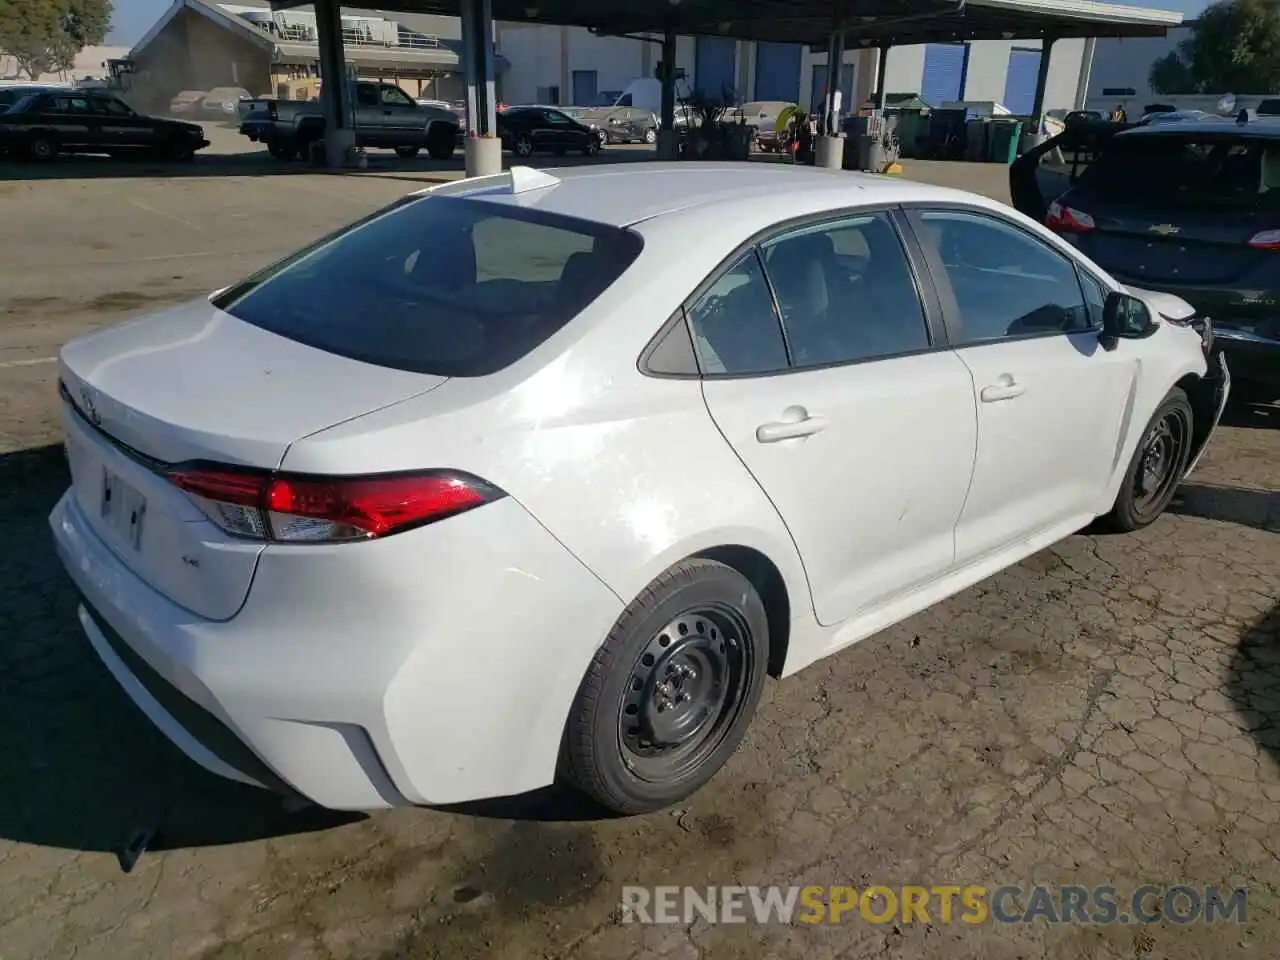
{"x": 572, "y": 65}
{"x": 202, "y": 44}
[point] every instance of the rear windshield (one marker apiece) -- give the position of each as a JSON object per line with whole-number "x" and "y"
{"x": 440, "y": 285}
{"x": 1188, "y": 171}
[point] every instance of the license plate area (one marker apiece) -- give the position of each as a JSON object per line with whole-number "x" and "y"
{"x": 123, "y": 509}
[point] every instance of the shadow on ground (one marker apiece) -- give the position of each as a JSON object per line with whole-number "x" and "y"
{"x": 1254, "y": 687}
{"x": 82, "y": 768}
{"x": 257, "y": 163}
{"x": 1259, "y": 509}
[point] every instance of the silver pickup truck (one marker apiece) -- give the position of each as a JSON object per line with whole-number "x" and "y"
{"x": 385, "y": 116}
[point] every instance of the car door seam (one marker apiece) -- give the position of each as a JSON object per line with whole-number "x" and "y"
{"x": 813, "y": 604}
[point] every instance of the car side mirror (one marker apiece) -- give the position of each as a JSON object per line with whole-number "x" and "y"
{"x": 1125, "y": 317}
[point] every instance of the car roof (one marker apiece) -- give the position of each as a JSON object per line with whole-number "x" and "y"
{"x": 624, "y": 194}
{"x": 1259, "y": 127}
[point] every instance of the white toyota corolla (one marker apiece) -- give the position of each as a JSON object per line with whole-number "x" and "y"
{"x": 539, "y": 475}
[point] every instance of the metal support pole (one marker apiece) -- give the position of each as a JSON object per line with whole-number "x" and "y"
{"x": 469, "y": 13}
{"x": 1042, "y": 81}
{"x": 835, "y": 69}
{"x": 335, "y": 96}
{"x": 1086, "y": 71}
{"x": 881, "y": 70}
{"x": 483, "y": 149}
{"x": 669, "y": 77}
{"x": 484, "y": 48}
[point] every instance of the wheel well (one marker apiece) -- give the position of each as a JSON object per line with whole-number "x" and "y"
{"x": 767, "y": 580}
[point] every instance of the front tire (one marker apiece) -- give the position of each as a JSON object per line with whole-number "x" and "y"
{"x": 592, "y": 148}
{"x": 651, "y": 135}
{"x": 179, "y": 151}
{"x": 669, "y": 695}
{"x": 406, "y": 153}
{"x": 1156, "y": 468}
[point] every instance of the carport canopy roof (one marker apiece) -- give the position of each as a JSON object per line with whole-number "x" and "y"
{"x": 865, "y": 22}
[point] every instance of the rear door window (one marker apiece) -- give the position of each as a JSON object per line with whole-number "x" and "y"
{"x": 1203, "y": 171}
{"x": 442, "y": 285}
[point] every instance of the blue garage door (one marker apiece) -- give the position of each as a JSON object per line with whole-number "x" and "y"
{"x": 714, "y": 63}
{"x": 778, "y": 71}
{"x": 1020, "y": 81}
{"x": 818, "y": 95}
{"x": 584, "y": 87}
{"x": 943, "y": 77}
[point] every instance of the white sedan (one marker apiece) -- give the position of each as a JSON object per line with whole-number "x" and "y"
{"x": 540, "y": 475}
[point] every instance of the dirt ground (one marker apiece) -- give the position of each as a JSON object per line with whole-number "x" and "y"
{"x": 1105, "y": 713}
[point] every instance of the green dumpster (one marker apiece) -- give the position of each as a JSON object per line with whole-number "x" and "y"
{"x": 1002, "y": 140}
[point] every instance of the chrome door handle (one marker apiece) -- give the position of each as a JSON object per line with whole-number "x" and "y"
{"x": 1006, "y": 389}
{"x": 790, "y": 429}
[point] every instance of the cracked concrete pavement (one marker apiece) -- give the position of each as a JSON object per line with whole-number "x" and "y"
{"x": 1107, "y": 712}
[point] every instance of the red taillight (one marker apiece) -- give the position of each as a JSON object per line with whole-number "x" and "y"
{"x": 305, "y": 509}
{"x": 1266, "y": 240}
{"x": 1064, "y": 219}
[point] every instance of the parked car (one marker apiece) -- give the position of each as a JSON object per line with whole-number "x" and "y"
{"x": 186, "y": 103}
{"x": 42, "y": 125}
{"x": 528, "y": 130}
{"x": 762, "y": 116}
{"x": 385, "y": 117}
{"x": 512, "y": 480}
{"x": 222, "y": 103}
{"x": 612, "y": 126}
{"x": 1190, "y": 207}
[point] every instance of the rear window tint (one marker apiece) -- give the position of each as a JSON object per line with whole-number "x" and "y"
{"x": 1188, "y": 170}
{"x": 440, "y": 285}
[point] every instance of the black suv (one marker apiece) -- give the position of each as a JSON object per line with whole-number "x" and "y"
{"x": 1190, "y": 207}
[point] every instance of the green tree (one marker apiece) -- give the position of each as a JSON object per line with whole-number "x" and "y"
{"x": 45, "y": 35}
{"x": 1234, "y": 47}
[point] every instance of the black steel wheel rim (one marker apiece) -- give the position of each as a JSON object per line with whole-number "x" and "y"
{"x": 685, "y": 692}
{"x": 1158, "y": 462}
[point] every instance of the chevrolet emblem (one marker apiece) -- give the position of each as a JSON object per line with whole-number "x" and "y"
{"x": 1164, "y": 229}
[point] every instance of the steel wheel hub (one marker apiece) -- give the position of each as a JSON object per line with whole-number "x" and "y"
{"x": 679, "y": 688}
{"x": 1157, "y": 467}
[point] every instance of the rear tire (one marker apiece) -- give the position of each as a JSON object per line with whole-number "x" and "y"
{"x": 523, "y": 146}
{"x": 651, "y": 135}
{"x": 283, "y": 150}
{"x": 1156, "y": 468}
{"x": 671, "y": 692}
{"x": 41, "y": 147}
{"x": 407, "y": 153}
{"x": 441, "y": 143}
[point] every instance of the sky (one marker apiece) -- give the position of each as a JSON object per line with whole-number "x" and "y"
{"x": 132, "y": 18}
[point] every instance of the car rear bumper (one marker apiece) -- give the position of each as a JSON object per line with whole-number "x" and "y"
{"x": 437, "y": 666}
{"x": 1254, "y": 359}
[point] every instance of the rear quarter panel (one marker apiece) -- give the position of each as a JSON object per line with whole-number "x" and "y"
{"x": 628, "y": 471}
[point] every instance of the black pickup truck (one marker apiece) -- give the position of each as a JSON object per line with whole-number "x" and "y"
{"x": 385, "y": 116}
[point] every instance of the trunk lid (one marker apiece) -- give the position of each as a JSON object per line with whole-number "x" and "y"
{"x": 1165, "y": 243}
{"x": 194, "y": 383}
